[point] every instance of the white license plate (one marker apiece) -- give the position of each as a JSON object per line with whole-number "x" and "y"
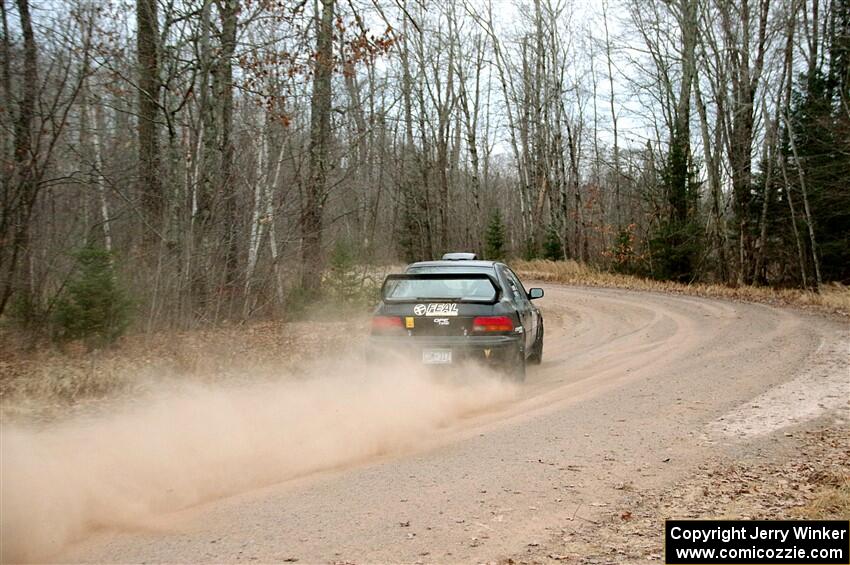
{"x": 437, "y": 356}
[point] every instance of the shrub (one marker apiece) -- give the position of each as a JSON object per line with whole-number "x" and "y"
{"x": 92, "y": 307}
{"x": 342, "y": 282}
{"x": 348, "y": 282}
{"x": 347, "y": 287}
{"x": 622, "y": 254}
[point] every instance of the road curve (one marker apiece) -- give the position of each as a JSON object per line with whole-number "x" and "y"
{"x": 629, "y": 383}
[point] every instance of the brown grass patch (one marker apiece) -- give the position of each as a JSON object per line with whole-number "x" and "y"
{"x": 832, "y": 498}
{"x": 45, "y": 381}
{"x": 833, "y": 298}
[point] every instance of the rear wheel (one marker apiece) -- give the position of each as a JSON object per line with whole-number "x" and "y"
{"x": 536, "y": 356}
{"x": 514, "y": 368}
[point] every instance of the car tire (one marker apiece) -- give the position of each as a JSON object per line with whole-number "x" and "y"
{"x": 536, "y": 356}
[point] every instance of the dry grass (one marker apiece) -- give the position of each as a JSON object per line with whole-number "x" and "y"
{"x": 832, "y": 499}
{"x": 47, "y": 381}
{"x": 833, "y": 298}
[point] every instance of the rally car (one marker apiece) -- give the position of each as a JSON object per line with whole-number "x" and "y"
{"x": 458, "y": 310}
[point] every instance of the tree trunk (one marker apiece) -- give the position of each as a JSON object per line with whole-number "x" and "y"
{"x": 745, "y": 81}
{"x": 712, "y": 166}
{"x": 806, "y": 207}
{"x": 617, "y": 203}
{"x": 23, "y": 188}
{"x": 8, "y": 147}
{"x": 150, "y": 184}
{"x": 320, "y": 117}
{"x": 105, "y": 217}
{"x": 229, "y": 10}
{"x": 470, "y": 117}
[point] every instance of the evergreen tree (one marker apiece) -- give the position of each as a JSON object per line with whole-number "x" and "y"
{"x": 676, "y": 241}
{"x": 553, "y": 249}
{"x": 93, "y": 307}
{"x": 495, "y": 237}
{"x": 341, "y": 281}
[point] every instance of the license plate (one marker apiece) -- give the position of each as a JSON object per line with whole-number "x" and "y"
{"x": 437, "y": 356}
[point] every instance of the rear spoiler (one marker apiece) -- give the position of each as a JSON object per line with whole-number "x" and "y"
{"x": 442, "y": 276}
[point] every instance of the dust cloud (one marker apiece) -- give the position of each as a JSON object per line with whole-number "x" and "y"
{"x": 193, "y": 443}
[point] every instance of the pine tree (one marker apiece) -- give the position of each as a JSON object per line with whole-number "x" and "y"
{"x": 553, "y": 249}
{"x": 495, "y": 238}
{"x": 93, "y": 307}
{"x": 676, "y": 241}
{"x": 342, "y": 282}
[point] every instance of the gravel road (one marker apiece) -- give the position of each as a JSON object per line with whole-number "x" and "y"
{"x": 635, "y": 390}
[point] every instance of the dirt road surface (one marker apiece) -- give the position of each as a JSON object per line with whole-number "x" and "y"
{"x": 636, "y": 390}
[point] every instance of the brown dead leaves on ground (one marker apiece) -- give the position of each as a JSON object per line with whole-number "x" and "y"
{"x": 811, "y": 480}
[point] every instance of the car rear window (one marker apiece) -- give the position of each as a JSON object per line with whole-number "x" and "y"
{"x": 445, "y": 289}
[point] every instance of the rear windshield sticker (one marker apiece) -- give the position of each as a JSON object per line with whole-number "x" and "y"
{"x": 436, "y": 309}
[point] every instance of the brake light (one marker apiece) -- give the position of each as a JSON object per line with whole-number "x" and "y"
{"x": 384, "y": 324}
{"x": 492, "y": 324}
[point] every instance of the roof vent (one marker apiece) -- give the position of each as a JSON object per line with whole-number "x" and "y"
{"x": 460, "y": 257}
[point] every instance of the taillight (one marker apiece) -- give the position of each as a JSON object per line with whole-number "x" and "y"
{"x": 492, "y": 324}
{"x": 387, "y": 324}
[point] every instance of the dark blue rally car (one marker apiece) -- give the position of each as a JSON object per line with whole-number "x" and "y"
{"x": 456, "y": 310}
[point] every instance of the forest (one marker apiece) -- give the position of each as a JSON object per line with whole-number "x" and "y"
{"x": 199, "y": 161}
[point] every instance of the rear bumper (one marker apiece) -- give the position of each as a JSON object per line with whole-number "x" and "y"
{"x": 494, "y": 350}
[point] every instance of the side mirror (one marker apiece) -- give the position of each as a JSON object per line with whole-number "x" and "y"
{"x": 535, "y": 293}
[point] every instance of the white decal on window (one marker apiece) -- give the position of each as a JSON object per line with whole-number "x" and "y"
{"x": 436, "y": 309}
